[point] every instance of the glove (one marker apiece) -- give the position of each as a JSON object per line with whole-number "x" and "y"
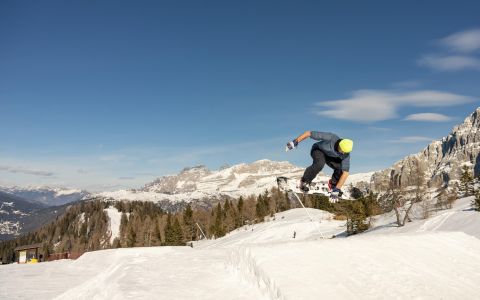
{"x": 291, "y": 145}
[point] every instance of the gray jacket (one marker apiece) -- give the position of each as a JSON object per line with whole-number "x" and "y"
{"x": 326, "y": 144}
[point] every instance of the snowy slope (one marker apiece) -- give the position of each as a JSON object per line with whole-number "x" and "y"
{"x": 461, "y": 218}
{"x": 437, "y": 258}
{"x": 280, "y": 229}
{"x": 115, "y": 218}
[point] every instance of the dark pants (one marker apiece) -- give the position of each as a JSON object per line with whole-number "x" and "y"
{"x": 319, "y": 160}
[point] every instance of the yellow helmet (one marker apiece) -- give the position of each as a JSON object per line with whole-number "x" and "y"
{"x": 345, "y": 145}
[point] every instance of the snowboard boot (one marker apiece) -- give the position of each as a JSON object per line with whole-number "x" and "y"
{"x": 303, "y": 186}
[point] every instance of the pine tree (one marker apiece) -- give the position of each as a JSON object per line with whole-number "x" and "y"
{"x": 267, "y": 199}
{"x": 189, "y": 223}
{"x": 177, "y": 233}
{"x": 240, "y": 204}
{"x": 466, "y": 182}
{"x": 476, "y": 201}
{"x": 240, "y": 212}
{"x": 218, "y": 227}
{"x": 322, "y": 202}
{"x": 356, "y": 215}
{"x": 169, "y": 234}
{"x": 262, "y": 207}
{"x": 123, "y": 228}
{"x": 226, "y": 208}
{"x": 131, "y": 237}
{"x": 158, "y": 236}
{"x": 230, "y": 216}
{"x": 287, "y": 202}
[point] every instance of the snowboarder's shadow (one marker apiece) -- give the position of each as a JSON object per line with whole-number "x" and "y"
{"x": 343, "y": 234}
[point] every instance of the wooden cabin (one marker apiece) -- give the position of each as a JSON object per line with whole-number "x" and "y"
{"x": 29, "y": 253}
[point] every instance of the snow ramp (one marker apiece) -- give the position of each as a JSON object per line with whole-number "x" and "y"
{"x": 442, "y": 265}
{"x": 160, "y": 273}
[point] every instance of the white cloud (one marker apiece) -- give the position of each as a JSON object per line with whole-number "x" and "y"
{"x": 430, "y": 98}
{"x": 450, "y": 62}
{"x": 461, "y": 46}
{"x": 378, "y": 105}
{"x": 412, "y": 139}
{"x": 464, "y": 41}
{"x": 428, "y": 117}
{"x": 26, "y": 171}
{"x": 364, "y": 105}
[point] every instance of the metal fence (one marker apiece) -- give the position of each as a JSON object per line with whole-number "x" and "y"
{"x": 64, "y": 255}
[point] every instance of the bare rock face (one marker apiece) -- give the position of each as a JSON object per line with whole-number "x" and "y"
{"x": 186, "y": 181}
{"x": 442, "y": 160}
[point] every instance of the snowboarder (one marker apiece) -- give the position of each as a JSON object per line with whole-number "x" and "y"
{"x": 333, "y": 151}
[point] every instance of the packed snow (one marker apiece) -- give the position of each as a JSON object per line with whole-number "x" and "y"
{"x": 286, "y": 257}
{"x": 114, "y": 221}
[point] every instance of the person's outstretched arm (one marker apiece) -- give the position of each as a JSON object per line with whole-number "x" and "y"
{"x": 303, "y": 136}
{"x": 316, "y": 135}
{"x": 291, "y": 145}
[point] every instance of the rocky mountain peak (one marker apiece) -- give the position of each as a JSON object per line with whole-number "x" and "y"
{"x": 195, "y": 169}
{"x": 443, "y": 159}
{"x": 200, "y": 178}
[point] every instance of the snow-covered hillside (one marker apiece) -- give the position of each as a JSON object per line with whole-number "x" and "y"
{"x": 19, "y": 215}
{"x": 240, "y": 180}
{"x": 437, "y": 258}
{"x": 13, "y": 213}
{"x": 49, "y": 196}
{"x": 199, "y": 182}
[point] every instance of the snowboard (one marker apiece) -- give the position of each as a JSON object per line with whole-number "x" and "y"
{"x": 316, "y": 188}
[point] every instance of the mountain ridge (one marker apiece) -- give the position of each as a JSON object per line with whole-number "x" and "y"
{"x": 442, "y": 159}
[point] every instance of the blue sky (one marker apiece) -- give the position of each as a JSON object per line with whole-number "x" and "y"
{"x": 109, "y": 94}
